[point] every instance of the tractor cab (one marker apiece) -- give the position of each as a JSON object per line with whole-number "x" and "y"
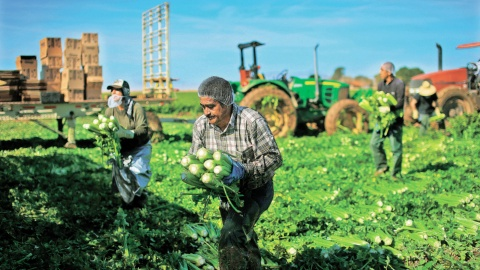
{"x": 249, "y": 74}
{"x": 473, "y": 68}
{"x": 473, "y": 72}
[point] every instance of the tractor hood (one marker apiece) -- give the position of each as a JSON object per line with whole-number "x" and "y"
{"x": 440, "y": 79}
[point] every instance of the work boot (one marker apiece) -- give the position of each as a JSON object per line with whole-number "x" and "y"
{"x": 380, "y": 171}
{"x": 396, "y": 177}
{"x": 70, "y": 145}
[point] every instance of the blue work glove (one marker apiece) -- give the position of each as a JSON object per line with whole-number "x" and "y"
{"x": 238, "y": 172}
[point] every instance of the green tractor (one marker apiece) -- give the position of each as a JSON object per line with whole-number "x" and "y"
{"x": 295, "y": 105}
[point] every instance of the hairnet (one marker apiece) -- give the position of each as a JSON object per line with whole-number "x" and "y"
{"x": 388, "y": 66}
{"x": 218, "y": 89}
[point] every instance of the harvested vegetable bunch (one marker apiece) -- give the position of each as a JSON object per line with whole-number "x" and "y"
{"x": 205, "y": 237}
{"x": 378, "y": 105}
{"x": 105, "y": 130}
{"x": 437, "y": 117}
{"x": 205, "y": 171}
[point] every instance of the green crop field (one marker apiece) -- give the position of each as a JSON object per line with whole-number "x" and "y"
{"x": 58, "y": 212}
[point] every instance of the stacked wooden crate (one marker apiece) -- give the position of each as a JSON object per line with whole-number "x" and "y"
{"x": 9, "y": 81}
{"x": 29, "y": 87}
{"x": 74, "y": 73}
{"x": 51, "y": 59}
{"x": 32, "y": 89}
{"x": 73, "y": 79}
{"x": 28, "y": 66}
{"x": 91, "y": 66}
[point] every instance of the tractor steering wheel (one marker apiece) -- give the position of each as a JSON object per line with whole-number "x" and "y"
{"x": 473, "y": 67}
{"x": 282, "y": 75}
{"x": 474, "y": 74}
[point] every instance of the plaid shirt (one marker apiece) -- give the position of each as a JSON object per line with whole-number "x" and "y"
{"x": 247, "y": 139}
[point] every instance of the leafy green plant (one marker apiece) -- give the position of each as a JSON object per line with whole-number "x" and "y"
{"x": 106, "y": 137}
{"x": 57, "y": 211}
{"x": 465, "y": 126}
{"x": 270, "y": 102}
{"x": 378, "y": 105}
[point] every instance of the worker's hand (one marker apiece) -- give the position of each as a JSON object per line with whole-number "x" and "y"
{"x": 437, "y": 111}
{"x": 238, "y": 172}
{"x": 125, "y": 133}
{"x": 184, "y": 176}
{"x": 384, "y": 109}
{"x": 415, "y": 114}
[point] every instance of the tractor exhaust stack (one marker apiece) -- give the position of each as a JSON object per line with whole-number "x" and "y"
{"x": 439, "y": 57}
{"x": 317, "y": 88}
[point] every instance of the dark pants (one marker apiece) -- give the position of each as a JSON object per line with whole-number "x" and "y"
{"x": 424, "y": 123}
{"x": 238, "y": 247}
{"x": 379, "y": 157}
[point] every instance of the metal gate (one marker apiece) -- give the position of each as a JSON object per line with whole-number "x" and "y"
{"x": 156, "y": 59}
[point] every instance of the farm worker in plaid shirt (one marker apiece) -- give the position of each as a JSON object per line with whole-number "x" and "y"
{"x": 243, "y": 134}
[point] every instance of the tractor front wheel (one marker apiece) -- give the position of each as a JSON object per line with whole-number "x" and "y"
{"x": 454, "y": 102}
{"x": 346, "y": 115}
{"x": 276, "y": 106}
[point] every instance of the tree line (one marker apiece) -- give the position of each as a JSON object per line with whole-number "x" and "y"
{"x": 360, "y": 81}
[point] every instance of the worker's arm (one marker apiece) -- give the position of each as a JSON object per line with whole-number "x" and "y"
{"x": 264, "y": 157}
{"x": 413, "y": 104}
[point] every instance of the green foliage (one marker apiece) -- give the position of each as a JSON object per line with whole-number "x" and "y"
{"x": 105, "y": 131}
{"x": 406, "y": 74}
{"x": 270, "y": 102}
{"x": 338, "y": 73}
{"x": 187, "y": 104}
{"x": 465, "y": 126}
{"x": 57, "y": 210}
{"x": 357, "y": 257}
{"x": 367, "y": 82}
{"x": 378, "y": 106}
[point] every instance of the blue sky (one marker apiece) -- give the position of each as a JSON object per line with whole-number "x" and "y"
{"x": 358, "y": 35}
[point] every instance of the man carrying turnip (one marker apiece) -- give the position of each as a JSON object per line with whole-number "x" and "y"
{"x": 395, "y": 87}
{"x": 244, "y": 135}
{"x": 131, "y": 177}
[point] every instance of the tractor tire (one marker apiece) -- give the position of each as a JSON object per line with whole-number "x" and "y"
{"x": 155, "y": 129}
{"x": 282, "y": 120}
{"x": 454, "y": 102}
{"x": 346, "y": 114}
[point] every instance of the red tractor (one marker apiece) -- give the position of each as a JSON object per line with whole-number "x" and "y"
{"x": 457, "y": 89}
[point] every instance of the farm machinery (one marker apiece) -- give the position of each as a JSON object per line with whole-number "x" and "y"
{"x": 458, "y": 89}
{"x": 291, "y": 106}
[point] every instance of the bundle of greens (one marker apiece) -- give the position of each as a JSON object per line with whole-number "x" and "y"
{"x": 437, "y": 117}
{"x": 203, "y": 236}
{"x": 378, "y": 105}
{"x": 105, "y": 130}
{"x": 205, "y": 171}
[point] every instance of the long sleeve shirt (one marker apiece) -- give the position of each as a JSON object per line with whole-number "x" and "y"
{"x": 396, "y": 88}
{"x": 138, "y": 123}
{"x": 247, "y": 139}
